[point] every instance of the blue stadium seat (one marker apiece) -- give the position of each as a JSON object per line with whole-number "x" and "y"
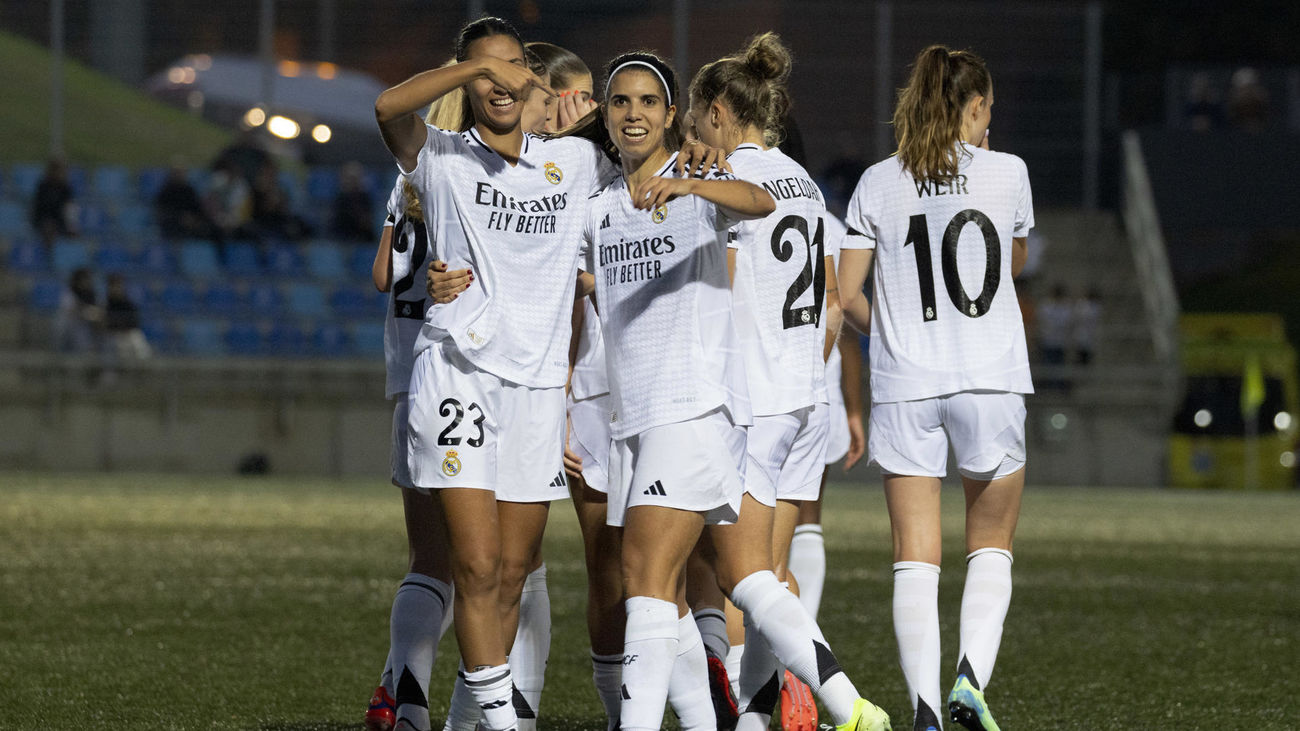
{"x": 243, "y": 259}
{"x": 349, "y": 301}
{"x": 177, "y": 298}
{"x": 93, "y": 219}
{"x": 330, "y": 341}
{"x": 306, "y": 300}
{"x": 322, "y": 184}
{"x": 135, "y": 219}
{"x": 286, "y": 339}
{"x": 244, "y": 338}
{"x": 13, "y": 219}
{"x": 23, "y": 179}
{"x": 77, "y": 180}
{"x": 283, "y": 260}
{"x": 291, "y": 184}
{"x": 28, "y": 257}
{"x": 159, "y": 335}
{"x": 69, "y": 255}
{"x": 368, "y": 339}
{"x": 202, "y": 337}
{"x": 222, "y": 300}
{"x": 113, "y": 258}
{"x": 149, "y": 182}
{"x": 361, "y": 261}
{"x": 263, "y": 299}
{"x": 112, "y": 183}
{"x": 156, "y": 258}
{"x": 44, "y": 295}
{"x": 325, "y": 261}
{"x": 199, "y": 259}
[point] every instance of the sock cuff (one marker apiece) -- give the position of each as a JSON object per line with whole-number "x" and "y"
{"x": 910, "y": 566}
{"x": 990, "y": 552}
{"x": 487, "y": 679}
{"x": 808, "y": 529}
{"x": 536, "y": 580}
{"x": 607, "y": 659}
{"x": 650, "y": 619}
{"x": 438, "y": 588}
{"x": 753, "y": 587}
{"x": 710, "y": 613}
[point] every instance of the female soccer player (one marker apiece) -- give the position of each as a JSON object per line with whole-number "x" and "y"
{"x": 680, "y": 400}
{"x": 944, "y": 223}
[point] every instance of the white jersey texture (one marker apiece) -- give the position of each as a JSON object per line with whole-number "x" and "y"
{"x": 665, "y": 308}
{"x": 589, "y": 376}
{"x": 519, "y": 228}
{"x": 944, "y": 316}
{"x": 780, "y": 284}
{"x": 407, "y": 296}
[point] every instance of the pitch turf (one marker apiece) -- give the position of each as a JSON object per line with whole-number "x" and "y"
{"x": 183, "y": 603}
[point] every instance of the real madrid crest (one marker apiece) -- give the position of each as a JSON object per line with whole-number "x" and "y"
{"x": 660, "y": 213}
{"x": 451, "y": 464}
{"x": 553, "y": 173}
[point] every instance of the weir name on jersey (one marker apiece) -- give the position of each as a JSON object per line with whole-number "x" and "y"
{"x": 634, "y": 261}
{"x": 529, "y": 216}
{"x": 956, "y": 186}
{"x": 787, "y": 188}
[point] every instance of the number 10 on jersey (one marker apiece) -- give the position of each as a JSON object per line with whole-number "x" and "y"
{"x": 918, "y": 236}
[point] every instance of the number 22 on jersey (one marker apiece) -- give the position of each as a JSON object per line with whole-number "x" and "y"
{"x": 918, "y": 236}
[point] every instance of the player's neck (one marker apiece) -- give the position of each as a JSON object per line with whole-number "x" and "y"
{"x": 637, "y": 171}
{"x": 507, "y": 144}
{"x": 750, "y": 135}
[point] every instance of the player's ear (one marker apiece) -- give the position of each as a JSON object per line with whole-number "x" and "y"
{"x": 716, "y": 113}
{"x": 672, "y": 114}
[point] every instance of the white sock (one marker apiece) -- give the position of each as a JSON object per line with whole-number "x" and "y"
{"x": 464, "y": 713}
{"x": 649, "y": 652}
{"x": 607, "y": 674}
{"x": 413, "y": 643}
{"x": 916, "y": 625}
{"x": 712, "y": 625}
{"x": 760, "y": 686}
{"x": 532, "y": 648}
{"x": 796, "y": 641}
{"x": 808, "y": 564}
{"x": 984, "y": 605}
{"x": 492, "y": 688}
{"x": 386, "y": 679}
{"x": 735, "y": 659}
{"x": 688, "y": 688}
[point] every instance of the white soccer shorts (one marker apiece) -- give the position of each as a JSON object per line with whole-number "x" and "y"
{"x": 694, "y": 465}
{"x": 589, "y": 438}
{"x": 785, "y": 456}
{"x": 471, "y": 428}
{"x": 986, "y": 430}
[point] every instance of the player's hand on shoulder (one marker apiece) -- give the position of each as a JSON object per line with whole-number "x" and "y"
{"x": 656, "y": 191}
{"x": 697, "y": 158}
{"x": 444, "y": 286}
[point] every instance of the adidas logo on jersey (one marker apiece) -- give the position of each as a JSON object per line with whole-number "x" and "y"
{"x": 604, "y": 222}
{"x": 560, "y": 480}
{"x": 656, "y": 489}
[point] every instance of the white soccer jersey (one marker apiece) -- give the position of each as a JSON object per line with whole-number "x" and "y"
{"x": 407, "y": 296}
{"x": 944, "y": 316}
{"x": 589, "y": 375}
{"x": 780, "y": 284}
{"x": 520, "y": 229}
{"x": 665, "y": 308}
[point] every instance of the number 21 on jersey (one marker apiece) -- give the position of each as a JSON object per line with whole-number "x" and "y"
{"x": 813, "y": 273}
{"x": 918, "y": 236}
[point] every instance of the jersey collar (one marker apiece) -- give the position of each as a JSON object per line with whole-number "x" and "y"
{"x": 472, "y": 137}
{"x": 745, "y": 146}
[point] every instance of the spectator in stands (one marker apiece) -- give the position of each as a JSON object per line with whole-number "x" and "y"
{"x": 54, "y": 213}
{"x": 227, "y": 203}
{"x": 1203, "y": 110}
{"x": 179, "y": 209}
{"x": 245, "y": 156}
{"x": 1086, "y": 320}
{"x": 122, "y": 330}
{"x": 1054, "y": 316}
{"x": 78, "y": 322}
{"x": 354, "y": 213}
{"x": 272, "y": 216}
{"x": 1247, "y": 101}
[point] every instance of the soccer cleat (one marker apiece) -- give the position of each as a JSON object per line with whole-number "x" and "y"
{"x": 798, "y": 707}
{"x": 966, "y": 707}
{"x": 382, "y": 713}
{"x": 725, "y": 707}
{"x": 866, "y": 717}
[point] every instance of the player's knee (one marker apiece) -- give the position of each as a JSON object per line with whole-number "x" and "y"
{"x": 478, "y": 574}
{"x": 514, "y": 571}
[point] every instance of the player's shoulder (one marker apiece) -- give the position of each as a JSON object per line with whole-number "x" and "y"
{"x": 568, "y": 145}
{"x": 997, "y": 158}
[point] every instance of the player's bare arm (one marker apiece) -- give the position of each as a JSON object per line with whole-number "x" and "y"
{"x": 739, "y": 199}
{"x": 834, "y": 311}
{"x": 851, "y": 388}
{"x": 382, "y": 270}
{"x": 855, "y": 265}
{"x": 1019, "y": 254}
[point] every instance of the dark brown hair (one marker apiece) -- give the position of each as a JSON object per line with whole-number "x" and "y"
{"x": 927, "y": 120}
{"x": 592, "y": 126}
{"x": 751, "y": 83}
{"x": 562, "y": 64}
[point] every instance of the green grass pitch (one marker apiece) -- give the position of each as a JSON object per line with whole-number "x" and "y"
{"x": 148, "y": 602}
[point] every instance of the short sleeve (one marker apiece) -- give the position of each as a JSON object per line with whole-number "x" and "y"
{"x": 833, "y": 238}
{"x": 721, "y": 221}
{"x": 861, "y": 228}
{"x": 1024, "y": 204}
{"x": 437, "y": 143}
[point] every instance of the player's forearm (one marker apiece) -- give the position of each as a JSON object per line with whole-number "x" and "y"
{"x": 741, "y": 199}
{"x": 423, "y": 89}
{"x": 851, "y": 375}
{"x": 1019, "y": 255}
{"x": 855, "y": 265}
{"x": 834, "y": 319}
{"x": 382, "y": 270}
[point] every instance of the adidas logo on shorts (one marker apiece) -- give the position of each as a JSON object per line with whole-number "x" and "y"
{"x": 656, "y": 489}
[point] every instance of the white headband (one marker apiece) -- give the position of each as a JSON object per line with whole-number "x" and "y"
{"x": 667, "y": 89}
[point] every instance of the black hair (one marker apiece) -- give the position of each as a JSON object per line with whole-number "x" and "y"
{"x": 484, "y": 27}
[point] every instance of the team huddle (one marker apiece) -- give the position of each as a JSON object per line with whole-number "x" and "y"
{"x": 635, "y": 303}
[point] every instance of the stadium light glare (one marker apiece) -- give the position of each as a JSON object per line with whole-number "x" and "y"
{"x": 254, "y": 117}
{"x": 202, "y": 62}
{"x": 1282, "y": 421}
{"x": 326, "y": 70}
{"x": 1287, "y": 460}
{"x": 283, "y": 127}
{"x": 176, "y": 75}
{"x": 1203, "y": 418}
{"x": 290, "y": 69}
{"x": 321, "y": 133}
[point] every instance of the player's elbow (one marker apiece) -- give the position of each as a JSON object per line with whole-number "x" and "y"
{"x": 386, "y": 109}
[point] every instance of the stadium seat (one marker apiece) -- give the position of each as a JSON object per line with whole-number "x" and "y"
{"x": 177, "y": 298}
{"x": 69, "y": 255}
{"x": 92, "y": 219}
{"x": 361, "y": 261}
{"x": 202, "y": 337}
{"x": 44, "y": 295}
{"x": 368, "y": 339}
{"x": 13, "y": 219}
{"x": 283, "y": 260}
{"x": 198, "y": 259}
{"x": 149, "y": 182}
{"x": 23, "y": 179}
{"x": 28, "y": 257}
{"x": 156, "y": 259}
{"x": 306, "y": 300}
{"x": 113, "y": 258}
{"x": 350, "y": 301}
{"x": 263, "y": 299}
{"x": 322, "y": 184}
{"x": 325, "y": 261}
{"x": 286, "y": 339}
{"x": 243, "y": 259}
{"x": 330, "y": 341}
{"x": 159, "y": 335}
{"x": 77, "y": 180}
{"x": 112, "y": 183}
{"x": 221, "y": 300}
{"x": 244, "y": 339}
{"x": 135, "y": 219}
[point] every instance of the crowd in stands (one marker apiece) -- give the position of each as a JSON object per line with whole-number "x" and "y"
{"x": 1244, "y": 105}
{"x": 240, "y": 257}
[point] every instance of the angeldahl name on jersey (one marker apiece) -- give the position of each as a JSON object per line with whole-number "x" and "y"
{"x": 528, "y": 216}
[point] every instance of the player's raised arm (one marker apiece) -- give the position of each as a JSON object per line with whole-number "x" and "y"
{"x": 739, "y": 199}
